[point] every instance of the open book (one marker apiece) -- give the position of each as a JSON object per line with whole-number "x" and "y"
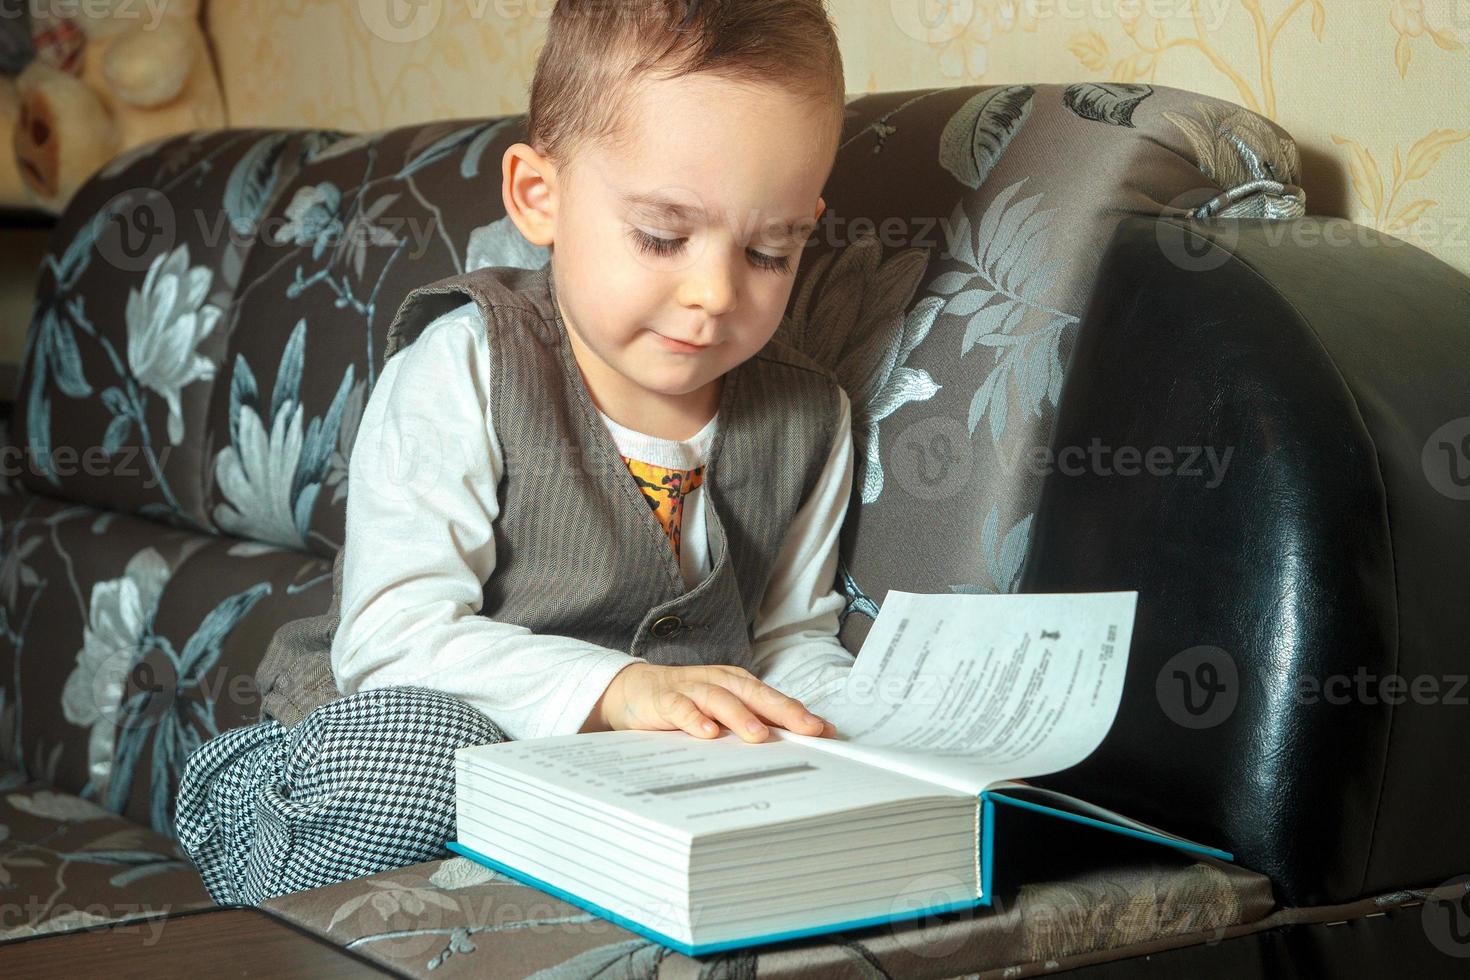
{"x": 711, "y": 844}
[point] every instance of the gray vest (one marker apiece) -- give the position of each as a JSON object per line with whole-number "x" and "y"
{"x": 578, "y": 550}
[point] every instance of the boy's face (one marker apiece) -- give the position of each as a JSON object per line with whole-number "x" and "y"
{"x": 635, "y": 278}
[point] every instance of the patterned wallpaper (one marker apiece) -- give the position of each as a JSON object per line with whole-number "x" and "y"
{"x": 1376, "y": 92}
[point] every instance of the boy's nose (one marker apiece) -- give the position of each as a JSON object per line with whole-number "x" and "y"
{"x": 709, "y": 285}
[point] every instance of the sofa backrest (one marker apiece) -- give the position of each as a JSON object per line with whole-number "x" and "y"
{"x": 213, "y": 308}
{"x": 1296, "y": 685}
{"x": 217, "y": 304}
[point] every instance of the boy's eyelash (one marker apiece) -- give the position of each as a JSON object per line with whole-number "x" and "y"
{"x": 668, "y": 246}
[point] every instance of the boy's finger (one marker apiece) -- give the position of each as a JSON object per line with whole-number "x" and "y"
{"x": 795, "y": 718}
{"x": 780, "y": 709}
{"x": 727, "y": 707}
{"x": 682, "y": 711}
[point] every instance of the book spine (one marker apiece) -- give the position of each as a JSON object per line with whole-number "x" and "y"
{"x": 979, "y": 885}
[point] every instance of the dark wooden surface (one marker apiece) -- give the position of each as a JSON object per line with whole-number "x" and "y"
{"x": 213, "y": 942}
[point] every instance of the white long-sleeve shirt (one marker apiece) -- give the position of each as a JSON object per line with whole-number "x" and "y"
{"x": 422, "y": 500}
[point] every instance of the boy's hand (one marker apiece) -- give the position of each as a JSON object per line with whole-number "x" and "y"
{"x": 653, "y": 697}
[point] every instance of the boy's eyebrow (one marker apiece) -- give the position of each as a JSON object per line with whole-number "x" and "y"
{"x": 675, "y": 211}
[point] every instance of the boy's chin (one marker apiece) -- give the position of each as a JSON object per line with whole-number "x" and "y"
{"x": 673, "y": 387}
{"x": 671, "y": 379}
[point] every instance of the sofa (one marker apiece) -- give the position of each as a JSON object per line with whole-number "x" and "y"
{"x": 1093, "y": 341}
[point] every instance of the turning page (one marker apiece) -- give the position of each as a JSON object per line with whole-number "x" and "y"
{"x": 967, "y": 690}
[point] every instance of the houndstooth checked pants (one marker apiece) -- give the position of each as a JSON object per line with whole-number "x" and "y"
{"x": 360, "y": 785}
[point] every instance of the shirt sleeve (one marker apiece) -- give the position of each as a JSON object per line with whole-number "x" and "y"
{"x": 422, "y": 499}
{"x": 795, "y": 648}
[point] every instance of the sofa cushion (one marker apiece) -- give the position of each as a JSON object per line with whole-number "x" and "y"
{"x": 66, "y": 862}
{"x": 350, "y": 232}
{"x": 132, "y": 316}
{"x": 453, "y": 917}
{"x": 129, "y": 642}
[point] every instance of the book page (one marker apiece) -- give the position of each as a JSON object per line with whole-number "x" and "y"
{"x": 967, "y": 690}
{"x": 688, "y": 786}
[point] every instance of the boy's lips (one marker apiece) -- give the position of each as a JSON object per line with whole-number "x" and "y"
{"x": 679, "y": 345}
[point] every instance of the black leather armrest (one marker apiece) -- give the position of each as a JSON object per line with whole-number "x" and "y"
{"x": 1325, "y": 551}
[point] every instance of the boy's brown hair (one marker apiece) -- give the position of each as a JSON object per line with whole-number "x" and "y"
{"x": 597, "y": 50}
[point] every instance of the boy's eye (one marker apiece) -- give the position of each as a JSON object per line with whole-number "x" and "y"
{"x": 657, "y": 245}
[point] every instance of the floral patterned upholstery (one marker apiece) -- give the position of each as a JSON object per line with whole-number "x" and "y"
{"x": 209, "y": 322}
{"x": 67, "y": 862}
{"x": 457, "y": 918}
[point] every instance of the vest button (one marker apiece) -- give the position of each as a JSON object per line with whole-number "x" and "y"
{"x": 666, "y": 626}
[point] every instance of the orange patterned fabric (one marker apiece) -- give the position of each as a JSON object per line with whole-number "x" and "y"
{"x": 665, "y": 490}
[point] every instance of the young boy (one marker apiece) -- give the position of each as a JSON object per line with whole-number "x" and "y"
{"x": 516, "y": 587}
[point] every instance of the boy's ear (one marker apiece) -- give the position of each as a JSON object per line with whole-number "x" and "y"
{"x": 816, "y": 219}
{"x": 528, "y": 186}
